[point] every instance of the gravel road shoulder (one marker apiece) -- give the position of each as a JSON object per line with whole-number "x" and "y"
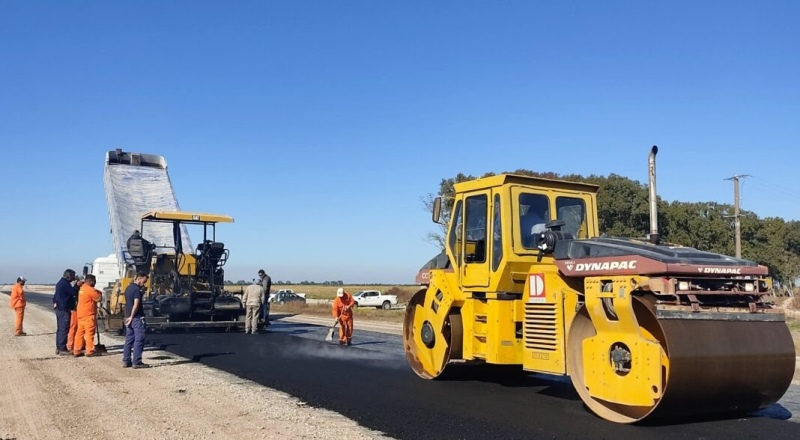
{"x": 47, "y": 396}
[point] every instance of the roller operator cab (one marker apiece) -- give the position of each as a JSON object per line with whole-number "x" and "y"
{"x": 644, "y": 329}
{"x": 185, "y": 288}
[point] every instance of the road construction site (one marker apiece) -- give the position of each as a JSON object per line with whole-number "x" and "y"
{"x": 290, "y": 383}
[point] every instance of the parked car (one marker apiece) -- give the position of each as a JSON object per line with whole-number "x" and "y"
{"x": 286, "y": 297}
{"x": 275, "y": 293}
{"x": 374, "y": 298}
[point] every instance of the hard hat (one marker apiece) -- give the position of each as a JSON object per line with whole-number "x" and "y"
{"x": 23, "y": 279}
{"x": 340, "y": 292}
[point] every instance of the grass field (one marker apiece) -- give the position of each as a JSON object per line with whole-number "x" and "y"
{"x": 403, "y": 292}
{"x": 369, "y": 314}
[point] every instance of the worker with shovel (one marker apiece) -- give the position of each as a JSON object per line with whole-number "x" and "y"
{"x": 343, "y": 312}
{"x": 87, "y": 317}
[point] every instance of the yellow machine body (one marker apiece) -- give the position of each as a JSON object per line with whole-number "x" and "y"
{"x": 633, "y": 344}
{"x": 178, "y": 274}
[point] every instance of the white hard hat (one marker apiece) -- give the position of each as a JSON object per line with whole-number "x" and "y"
{"x": 340, "y": 292}
{"x": 23, "y": 279}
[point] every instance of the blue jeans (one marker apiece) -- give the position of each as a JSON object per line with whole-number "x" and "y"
{"x": 134, "y": 339}
{"x": 62, "y": 328}
{"x": 264, "y": 314}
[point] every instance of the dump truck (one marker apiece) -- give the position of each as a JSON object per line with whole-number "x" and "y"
{"x": 185, "y": 286}
{"x": 644, "y": 329}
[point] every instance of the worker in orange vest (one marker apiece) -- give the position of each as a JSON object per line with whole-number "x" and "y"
{"x": 87, "y": 316}
{"x": 343, "y": 312}
{"x": 17, "y": 303}
{"x": 73, "y": 315}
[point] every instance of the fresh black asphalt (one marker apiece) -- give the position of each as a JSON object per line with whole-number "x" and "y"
{"x": 371, "y": 383}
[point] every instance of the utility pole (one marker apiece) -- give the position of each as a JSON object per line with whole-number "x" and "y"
{"x": 736, "y": 223}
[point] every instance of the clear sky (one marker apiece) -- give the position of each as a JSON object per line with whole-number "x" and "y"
{"x": 319, "y": 125}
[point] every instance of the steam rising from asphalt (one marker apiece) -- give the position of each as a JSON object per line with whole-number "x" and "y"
{"x": 331, "y": 350}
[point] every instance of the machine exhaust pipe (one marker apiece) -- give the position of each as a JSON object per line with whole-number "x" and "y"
{"x": 654, "y": 238}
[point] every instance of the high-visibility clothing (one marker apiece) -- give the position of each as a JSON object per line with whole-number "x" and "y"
{"x": 17, "y": 297}
{"x": 343, "y": 310}
{"x": 87, "y": 301}
{"x": 87, "y": 326}
{"x": 73, "y": 328}
{"x": 20, "y": 315}
{"x": 339, "y": 305}
{"x": 346, "y": 328}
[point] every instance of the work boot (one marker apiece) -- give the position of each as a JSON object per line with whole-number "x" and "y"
{"x": 126, "y": 365}
{"x": 349, "y": 343}
{"x": 142, "y": 365}
{"x": 92, "y": 354}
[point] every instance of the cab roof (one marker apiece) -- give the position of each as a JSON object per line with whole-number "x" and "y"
{"x": 186, "y": 217}
{"x": 519, "y": 179}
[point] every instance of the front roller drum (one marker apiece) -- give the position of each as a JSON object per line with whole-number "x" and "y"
{"x": 430, "y": 341}
{"x": 706, "y": 366}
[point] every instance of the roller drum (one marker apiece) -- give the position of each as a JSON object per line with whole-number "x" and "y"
{"x": 725, "y": 366}
{"x": 708, "y": 366}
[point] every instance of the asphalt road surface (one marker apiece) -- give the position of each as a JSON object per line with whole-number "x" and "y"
{"x": 371, "y": 383}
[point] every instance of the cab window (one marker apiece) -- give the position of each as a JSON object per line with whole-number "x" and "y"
{"x": 534, "y": 213}
{"x": 572, "y": 211}
{"x": 497, "y": 235}
{"x": 475, "y": 222}
{"x": 453, "y": 240}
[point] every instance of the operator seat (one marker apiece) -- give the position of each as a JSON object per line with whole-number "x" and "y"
{"x": 140, "y": 251}
{"x": 209, "y": 254}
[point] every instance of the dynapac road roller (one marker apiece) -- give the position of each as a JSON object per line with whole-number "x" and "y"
{"x": 644, "y": 329}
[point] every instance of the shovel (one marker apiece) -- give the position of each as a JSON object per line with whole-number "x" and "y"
{"x": 333, "y": 329}
{"x": 99, "y": 348}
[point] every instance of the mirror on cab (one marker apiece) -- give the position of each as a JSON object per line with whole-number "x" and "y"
{"x": 85, "y": 271}
{"x": 437, "y": 209}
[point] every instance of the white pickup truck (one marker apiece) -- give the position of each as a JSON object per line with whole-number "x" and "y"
{"x": 374, "y": 298}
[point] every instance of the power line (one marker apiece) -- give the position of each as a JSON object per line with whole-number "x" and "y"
{"x": 736, "y": 214}
{"x": 775, "y": 188}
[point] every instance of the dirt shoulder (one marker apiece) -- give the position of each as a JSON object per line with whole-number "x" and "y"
{"x": 47, "y": 396}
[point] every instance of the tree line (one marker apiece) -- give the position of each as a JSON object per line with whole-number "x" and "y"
{"x": 624, "y": 211}
{"x": 287, "y": 283}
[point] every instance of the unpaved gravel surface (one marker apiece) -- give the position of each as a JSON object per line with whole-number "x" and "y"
{"x": 44, "y": 396}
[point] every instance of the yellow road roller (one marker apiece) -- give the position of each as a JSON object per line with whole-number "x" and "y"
{"x": 644, "y": 329}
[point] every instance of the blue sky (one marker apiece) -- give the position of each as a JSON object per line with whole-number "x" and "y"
{"x": 319, "y": 125}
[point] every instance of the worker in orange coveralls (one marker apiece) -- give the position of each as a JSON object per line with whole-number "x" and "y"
{"x": 73, "y": 315}
{"x": 17, "y": 303}
{"x": 343, "y": 311}
{"x": 87, "y": 316}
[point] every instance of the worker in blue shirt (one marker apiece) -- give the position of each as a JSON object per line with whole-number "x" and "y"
{"x": 63, "y": 303}
{"x": 135, "y": 325}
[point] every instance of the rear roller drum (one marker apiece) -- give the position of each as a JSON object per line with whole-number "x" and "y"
{"x": 429, "y": 347}
{"x": 677, "y": 367}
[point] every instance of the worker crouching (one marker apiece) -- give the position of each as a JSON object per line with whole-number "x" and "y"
{"x": 87, "y": 316}
{"x": 343, "y": 312}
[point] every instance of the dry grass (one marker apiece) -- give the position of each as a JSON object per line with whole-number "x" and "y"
{"x": 403, "y": 292}
{"x": 298, "y": 308}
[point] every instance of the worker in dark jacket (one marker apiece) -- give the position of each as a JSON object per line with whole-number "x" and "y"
{"x": 266, "y": 284}
{"x": 63, "y": 303}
